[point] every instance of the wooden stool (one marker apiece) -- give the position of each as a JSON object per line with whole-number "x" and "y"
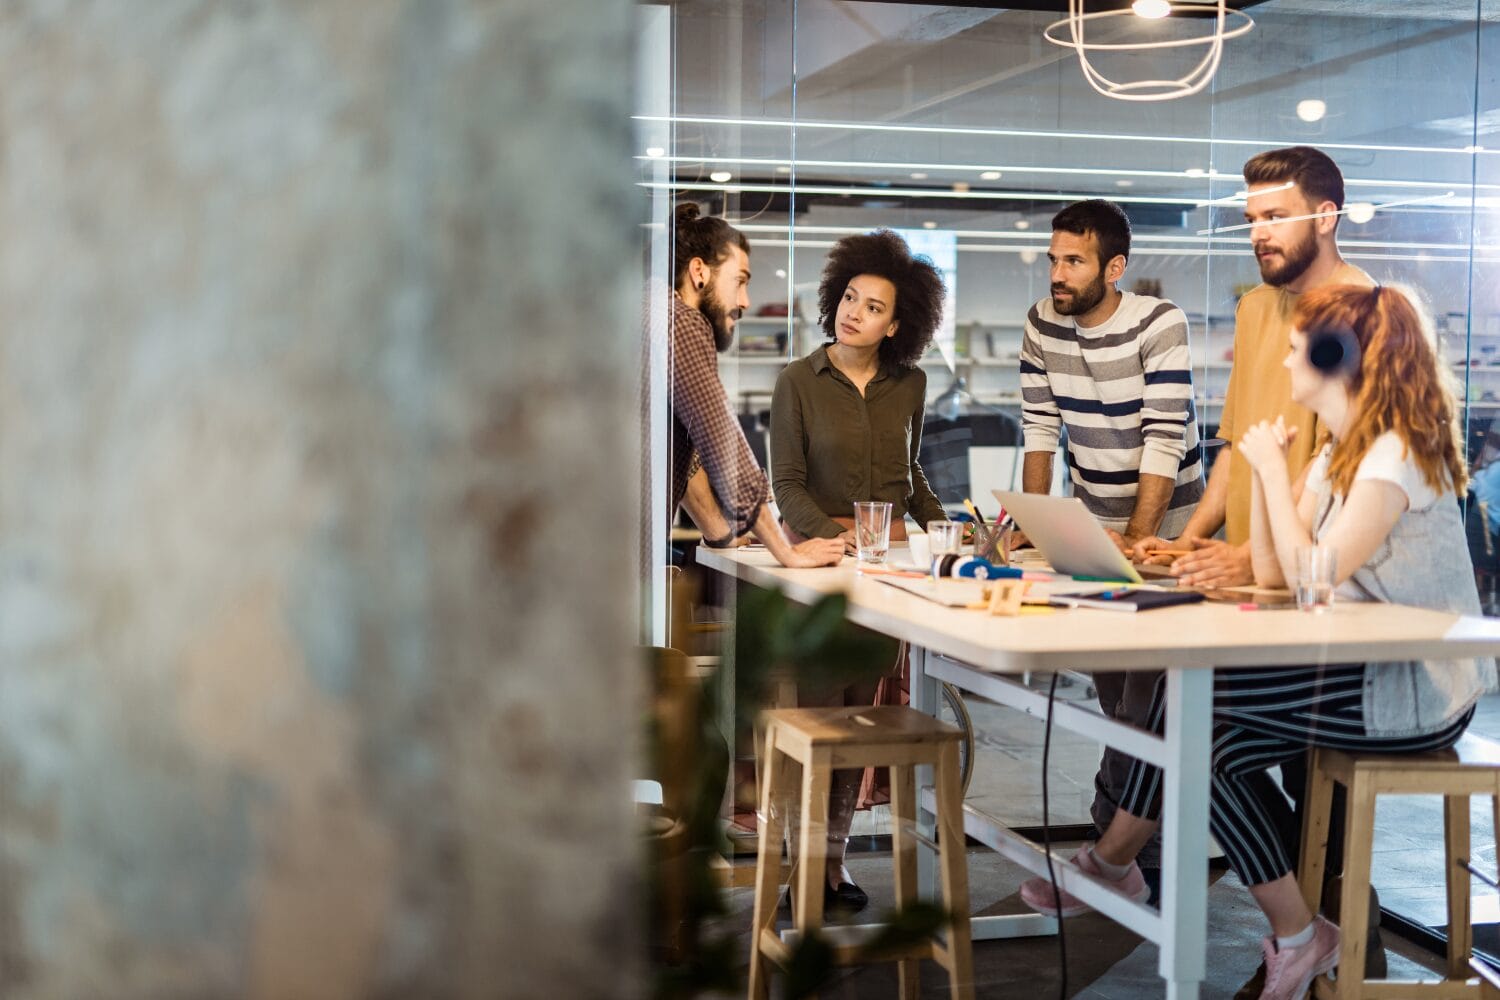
{"x": 1471, "y": 767}
{"x": 824, "y": 740}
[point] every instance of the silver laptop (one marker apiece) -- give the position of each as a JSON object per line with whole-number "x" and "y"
{"x": 1068, "y": 535}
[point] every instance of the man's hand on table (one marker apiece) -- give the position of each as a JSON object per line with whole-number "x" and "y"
{"x": 1127, "y": 544}
{"x": 1156, "y": 551}
{"x": 815, "y": 552}
{"x": 1213, "y": 563}
{"x": 1018, "y": 540}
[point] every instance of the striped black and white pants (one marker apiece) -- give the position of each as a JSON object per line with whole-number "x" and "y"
{"x": 1262, "y": 718}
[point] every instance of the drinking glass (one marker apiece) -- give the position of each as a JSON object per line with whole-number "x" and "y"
{"x": 943, "y": 538}
{"x": 872, "y": 530}
{"x": 1317, "y": 569}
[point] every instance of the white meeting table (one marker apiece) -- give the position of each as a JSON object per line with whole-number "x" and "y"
{"x": 975, "y": 652}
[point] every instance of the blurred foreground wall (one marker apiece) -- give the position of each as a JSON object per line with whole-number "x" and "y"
{"x": 316, "y": 499}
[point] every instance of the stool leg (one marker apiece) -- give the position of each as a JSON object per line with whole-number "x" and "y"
{"x": 813, "y": 842}
{"x": 904, "y": 857}
{"x": 1460, "y": 931}
{"x": 767, "y": 861}
{"x": 1359, "y": 829}
{"x": 1495, "y": 824}
{"x": 953, "y": 863}
{"x": 1317, "y": 808}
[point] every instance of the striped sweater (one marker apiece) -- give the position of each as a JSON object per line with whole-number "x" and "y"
{"x": 1124, "y": 390}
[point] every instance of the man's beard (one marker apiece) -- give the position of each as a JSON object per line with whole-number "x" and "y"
{"x": 1295, "y": 260}
{"x": 719, "y": 317}
{"x": 1084, "y": 298}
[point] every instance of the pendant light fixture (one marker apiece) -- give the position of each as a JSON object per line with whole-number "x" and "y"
{"x": 1071, "y": 33}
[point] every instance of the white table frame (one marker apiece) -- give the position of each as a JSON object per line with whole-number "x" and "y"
{"x": 976, "y": 653}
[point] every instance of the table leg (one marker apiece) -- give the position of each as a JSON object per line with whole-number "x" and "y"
{"x": 1184, "y": 880}
{"x": 924, "y": 698}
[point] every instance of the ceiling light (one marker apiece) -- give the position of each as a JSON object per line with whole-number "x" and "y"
{"x": 929, "y": 224}
{"x": 720, "y": 176}
{"x": 781, "y": 272}
{"x": 917, "y": 175}
{"x": 990, "y": 175}
{"x": 1359, "y": 212}
{"x": 783, "y": 170}
{"x": 1124, "y": 182}
{"x": 1069, "y": 34}
{"x": 1152, "y": 9}
{"x": 1311, "y": 110}
{"x": 1196, "y": 172}
{"x": 1473, "y": 149}
{"x": 1022, "y": 224}
{"x": 1028, "y": 256}
{"x": 655, "y": 151}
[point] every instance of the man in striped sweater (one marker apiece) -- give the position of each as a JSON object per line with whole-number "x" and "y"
{"x": 1112, "y": 367}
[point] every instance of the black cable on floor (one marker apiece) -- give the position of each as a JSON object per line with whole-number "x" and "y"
{"x": 1062, "y": 940}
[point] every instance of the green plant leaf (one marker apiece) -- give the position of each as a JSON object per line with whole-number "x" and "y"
{"x": 809, "y": 967}
{"x": 912, "y": 924}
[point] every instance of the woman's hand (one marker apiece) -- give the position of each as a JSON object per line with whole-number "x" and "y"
{"x": 847, "y": 537}
{"x": 1264, "y": 446}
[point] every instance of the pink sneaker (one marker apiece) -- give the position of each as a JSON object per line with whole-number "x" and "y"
{"x": 1037, "y": 892}
{"x": 1290, "y": 972}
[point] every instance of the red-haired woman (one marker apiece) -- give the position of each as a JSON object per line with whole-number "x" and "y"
{"x": 1383, "y": 493}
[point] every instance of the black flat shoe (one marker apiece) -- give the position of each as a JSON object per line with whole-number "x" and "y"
{"x": 847, "y": 898}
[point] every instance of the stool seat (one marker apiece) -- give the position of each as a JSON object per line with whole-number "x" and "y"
{"x": 821, "y": 741}
{"x": 1471, "y": 767}
{"x": 864, "y": 725}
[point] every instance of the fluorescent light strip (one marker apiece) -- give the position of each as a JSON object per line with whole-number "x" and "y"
{"x": 1235, "y": 252}
{"x": 1039, "y": 134}
{"x": 893, "y": 192}
{"x": 898, "y": 192}
{"x": 1245, "y": 196}
{"x": 1040, "y": 239}
{"x": 1316, "y": 215}
{"x": 966, "y": 168}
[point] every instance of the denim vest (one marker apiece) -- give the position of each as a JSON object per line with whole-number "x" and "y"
{"x": 1424, "y": 562}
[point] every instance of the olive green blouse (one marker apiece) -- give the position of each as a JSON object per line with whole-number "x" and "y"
{"x": 830, "y": 446}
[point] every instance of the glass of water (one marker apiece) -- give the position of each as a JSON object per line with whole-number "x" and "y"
{"x": 872, "y": 530}
{"x": 1317, "y": 570}
{"x": 944, "y": 539}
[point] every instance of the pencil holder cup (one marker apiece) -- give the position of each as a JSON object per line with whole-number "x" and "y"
{"x": 992, "y": 542}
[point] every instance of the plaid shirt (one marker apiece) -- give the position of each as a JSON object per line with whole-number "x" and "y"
{"x": 704, "y": 429}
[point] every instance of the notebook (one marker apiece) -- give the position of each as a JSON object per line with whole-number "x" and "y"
{"x": 1129, "y": 600}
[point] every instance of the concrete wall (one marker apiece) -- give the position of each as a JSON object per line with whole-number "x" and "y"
{"x": 312, "y": 376}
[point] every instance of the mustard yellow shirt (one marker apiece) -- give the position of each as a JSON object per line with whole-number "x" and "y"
{"x": 1260, "y": 388}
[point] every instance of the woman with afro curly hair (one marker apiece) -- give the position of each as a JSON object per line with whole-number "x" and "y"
{"x": 846, "y": 423}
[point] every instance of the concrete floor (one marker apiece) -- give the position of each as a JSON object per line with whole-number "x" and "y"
{"x": 1105, "y": 960}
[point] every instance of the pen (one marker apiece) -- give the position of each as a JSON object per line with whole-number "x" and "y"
{"x": 969, "y": 506}
{"x": 1110, "y": 595}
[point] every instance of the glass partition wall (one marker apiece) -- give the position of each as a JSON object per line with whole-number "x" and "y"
{"x": 802, "y": 121}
